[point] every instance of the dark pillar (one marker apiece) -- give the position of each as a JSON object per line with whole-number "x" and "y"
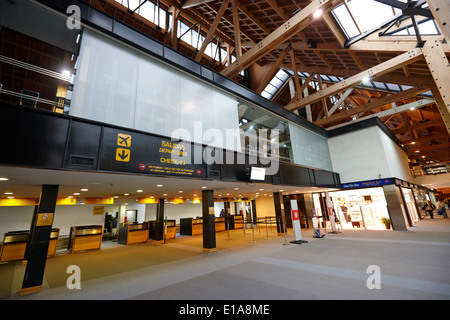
{"x": 279, "y": 212}
{"x": 209, "y": 222}
{"x": 159, "y": 224}
{"x": 253, "y": 206}
{"x": 227, "y": 216}
{"x": 39, "y": 239}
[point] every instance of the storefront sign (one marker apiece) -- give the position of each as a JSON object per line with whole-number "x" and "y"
{"x": 365, "y": 184}
{"x": 139, "y": 153}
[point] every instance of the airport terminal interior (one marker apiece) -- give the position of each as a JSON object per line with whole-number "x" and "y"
{"x": 224, "y": 149}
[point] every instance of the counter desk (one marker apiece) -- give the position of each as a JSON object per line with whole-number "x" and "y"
{"x": 171, "y": 229}
{"x": 237, "y": 222}
{"x": 131, "y": 233}
{"x": 191, "y": 226}
{"x": 15, "y": 243}
{"x": 83, "y": 238}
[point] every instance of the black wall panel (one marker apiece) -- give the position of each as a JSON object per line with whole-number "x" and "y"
{"x": 83, "y": 145}
{"x": 31, "y": 138}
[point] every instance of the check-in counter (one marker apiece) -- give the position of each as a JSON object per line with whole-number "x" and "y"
{"x": 83, "y": 238}
{"x": 15, "y": 243}
{"x": 220, "y": 224}
{"x": 191, "y": 226}
{"x": 237, "y": 221}
{"x": 171, "y": 229}
{"x": 132, "y": 233}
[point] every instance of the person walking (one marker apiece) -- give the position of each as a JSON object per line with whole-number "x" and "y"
{"x": 429, "y": 207}
{"x": 442, "y": 208}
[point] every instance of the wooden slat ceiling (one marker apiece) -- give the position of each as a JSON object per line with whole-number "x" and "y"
{"x": 317, "y": 48}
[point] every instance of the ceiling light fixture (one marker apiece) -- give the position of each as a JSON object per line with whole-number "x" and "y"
{"x": 318, "y": 13}
{"x": 4, "y": 179}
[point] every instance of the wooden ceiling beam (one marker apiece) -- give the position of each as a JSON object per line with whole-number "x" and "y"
{"x": 293, "y": 26}
{"x": 212, "y": 30}
{"x": 441, "y": 13}
{"x": 418, "y": 126}
{"x": 344, "y": 114}
{"x": 427, "y": 138}
{"x": 382, "y": 68}
{"x": 192, "y": 3}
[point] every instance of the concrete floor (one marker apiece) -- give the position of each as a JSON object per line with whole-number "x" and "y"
{"x": 412, "y": 264}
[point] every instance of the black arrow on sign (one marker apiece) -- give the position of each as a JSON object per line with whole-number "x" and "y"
{"x": 123, "y": 155}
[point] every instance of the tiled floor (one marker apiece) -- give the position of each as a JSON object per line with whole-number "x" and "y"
{"x": 410, "y": 264}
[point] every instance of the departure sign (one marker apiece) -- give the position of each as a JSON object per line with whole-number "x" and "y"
{"x": 135, "y": 152}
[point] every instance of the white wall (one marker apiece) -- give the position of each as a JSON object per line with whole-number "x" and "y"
{"x": 367, "y": 154}
{"x": 175, "y": 211}
{"x": 265, "y": 207}
{"x": 434, "y": 181}
{"x": 19, "y": 218}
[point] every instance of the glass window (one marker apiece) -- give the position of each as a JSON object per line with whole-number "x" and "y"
{"x": 263, "y": 132}
{"x": 343, "y": 16}
{"x": 370, "y": 13}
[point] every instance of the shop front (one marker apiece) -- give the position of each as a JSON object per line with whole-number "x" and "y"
{"x": 360, "y": 208}
{"x": 380, "y": 204}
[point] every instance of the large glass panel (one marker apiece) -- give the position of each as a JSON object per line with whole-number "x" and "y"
{"x": 259, "y": 128}
{"x": 309, "y": 149}
{"x": 116, "y": 85}
{"x": 106, "y": 83}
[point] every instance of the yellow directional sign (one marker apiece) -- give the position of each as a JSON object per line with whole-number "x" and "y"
{"x": 124, "y": 140}
{"x": 123, "y": 155}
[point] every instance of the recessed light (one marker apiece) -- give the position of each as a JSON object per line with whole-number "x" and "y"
{"x": 204, "y": 187}
{"x": 10, "y": 197}
{"x": 139, "y": 190}
{"x": 164, "y": 194}
{"x": 236, "y": 189}
{"x": 115, "y": 197}
{"x": 76, "y": 193}
{"x": 126, "y": 194}
{"x": 84, "y": 189}
{"x": 4, "y": 179}
{"x": 180, "y": 191}
{"x": 160, "y": 185}
{"x": 8, "y": 193}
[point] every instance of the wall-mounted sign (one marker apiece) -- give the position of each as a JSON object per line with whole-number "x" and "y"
{"x": 365, "y": 184}
{"x": 99, "y": 210}
{"x": 44, "y": 219}
{"x": 125, "y": 151}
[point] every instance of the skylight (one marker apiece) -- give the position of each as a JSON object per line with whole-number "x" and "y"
{"x": 275, "y": 84}
{"x": 359, "y": 16}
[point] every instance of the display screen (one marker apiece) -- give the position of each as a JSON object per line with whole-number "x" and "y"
{"x": 258, "y": 173}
